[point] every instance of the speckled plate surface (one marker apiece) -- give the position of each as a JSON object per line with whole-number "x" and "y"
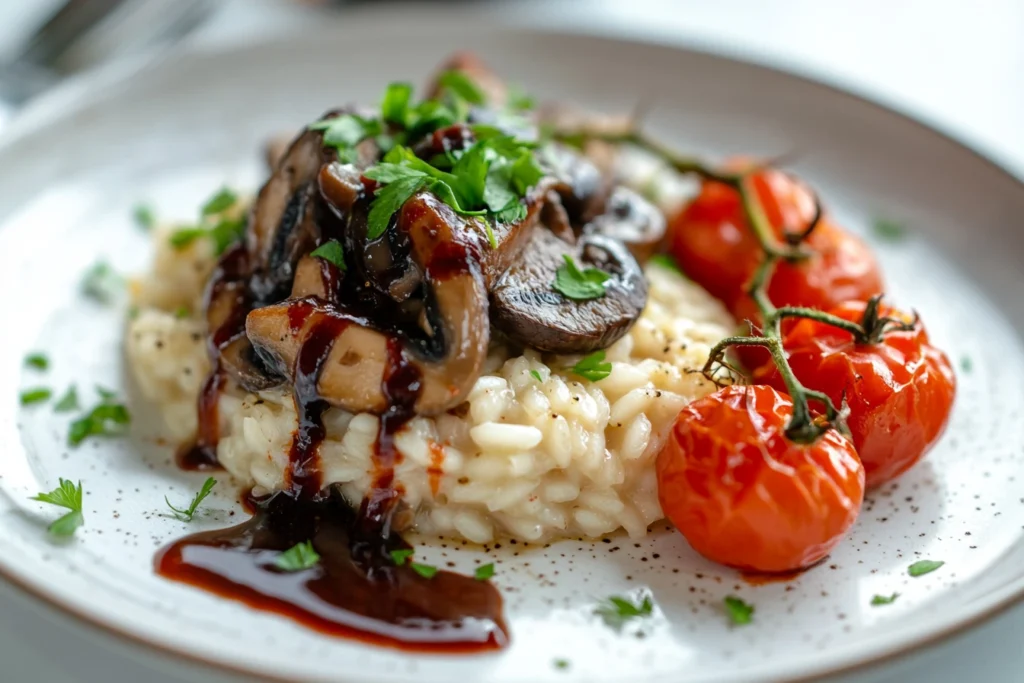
{"x": 170, "y": 134}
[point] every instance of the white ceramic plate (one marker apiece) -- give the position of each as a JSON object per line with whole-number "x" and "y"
{"x": 177, "y": 130}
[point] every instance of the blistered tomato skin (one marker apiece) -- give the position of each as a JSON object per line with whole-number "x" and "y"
{"x": 900, "y": 391}
{"x": 746, "y": 496}
{"x": 715, "y": 246}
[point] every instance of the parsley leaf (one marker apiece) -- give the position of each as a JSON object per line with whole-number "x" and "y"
{"x": 37, "y": 361}
{"x": 561, "y": 663}
{"x": 144, "y": 216}
{"x": 300, "y": 556}
{"x": 187, "y": 514}
{"x": 182, "y": 312}
{"x": 425, "y": 570}
{"x": 884, "y": 599}
{"x": 889, "y": 230}
{"x": 102, "y": 283}
{"x": 331, "y": 252}
{"x": 68, "y": 402}
{"x": 966, "y": 364}
{"x": 739, "y": 612}
{"x": 462, "y": 86}
{"x": 223, "y": 200}
{"x": 395, "y": 106}
{"x": 223, "y": 233}
{"x": 922, "y": 567}
{"x": 37, "y": 395}
{"x": 518, "y": 100}
{"x": 106, "y": 419}
{"x": 616, "y": 611}
{"x": 389, "y": 200}
{"x": 484, "y": 572}
{"x": 593, "y": 367}
{"x": 402, "y": 556}
{"x": 536, "y": 375}
{"x": 666, "y": 261}
{"x": 69, "y": 496}
{"x": 579, "y": 285}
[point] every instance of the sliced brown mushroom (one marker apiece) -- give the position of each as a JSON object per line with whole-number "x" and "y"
{"x": 359, "y": 358}
{"x": 527, "y": 308}
{"x": 632, "y": 220}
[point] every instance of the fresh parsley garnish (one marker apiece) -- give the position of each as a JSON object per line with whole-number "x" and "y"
{"x": 425, "y": 570}
{"x": 187, "y": 514}
{"x": 144, "y": 216}
{"x": 966, "y": 364}
{"x": 223, "y": 230}
{"x": 484, "y": 572}
{"x": 536, "y": 375}
{"x": 518, "y": 100}
{"x": 182, "y": 312}
{"x": 488, "y": 179}
{"x": 461, "y": 85}
{"x": 667, "y": 262}
{"x": 37, "y": 361}
{"x": 102, "y": 283}
{"x": 884, "y": 599}
{"x": 889, "y": 230}
{"x": 36, "y": 395}
{"x": 331, "y": 252}
{"x": 69, "y": 496}
{"x": 616, "y": 611}
{"x": 593, "y": 367}
{"x": 561, "y": 664}
{"x": 402, "y": 556}
{"x": 739, "y": 612}
{"x": 922, "y": 567}
{"x": 106, "y": 419}
{"x": 223, "y": 200}
{"x": 68, "y": 402}
{"x": 300, "y": 556}
{"x": 579, "y": 285}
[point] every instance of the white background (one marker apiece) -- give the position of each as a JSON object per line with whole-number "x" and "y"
{"x": 955, "y": 64}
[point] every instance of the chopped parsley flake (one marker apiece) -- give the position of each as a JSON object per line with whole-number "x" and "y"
{"x": 667, "y": 262}
{"x": 187, "y": 514}
{"x": 402, "y": 556}
{"x": 298, "y": 557}
{"x": 616, "y": 611}
{"x": 739, "y": 612}
{"x": 102, "y": 283}
{"x": 884, "y": 599}
{"x": 561, "y": 664}
{"x": 593, "y": 367}
{"x": 106, "y": 419}
{"x": 580, "y": 285}
{"x": 425, "y": 570}
{"x": 889, "y": 230}
{"x": 220, "y": 202}
{"x": 331, "y": 252}
{"x": 922, "y": 567}
{"x": 68, "y": 402}
{"x": 536, "y": 375}
{"x": 182, "y": 312}
{"x": 68, "y": 496}
{"x": 484, "y": 572}
{"x": 37, "y": 361}
{"x": 462, "y": 85}
{"x": 966, "y": 364}
{"x": 36, "y": 395}
{"x": 144, "y": 216}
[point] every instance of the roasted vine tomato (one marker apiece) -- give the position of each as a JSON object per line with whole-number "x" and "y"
{"x": 900, "y": 390}
{"x": 714, "y": 245}
{"x": 744, "y": 494}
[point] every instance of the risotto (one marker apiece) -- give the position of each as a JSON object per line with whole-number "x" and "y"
{"x": 535, "y": 452}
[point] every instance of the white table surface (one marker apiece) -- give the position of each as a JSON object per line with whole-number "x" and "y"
{"x": 957, "y": 65}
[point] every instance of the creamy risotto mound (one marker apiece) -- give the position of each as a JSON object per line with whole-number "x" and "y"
{"x": 534, "y": 453}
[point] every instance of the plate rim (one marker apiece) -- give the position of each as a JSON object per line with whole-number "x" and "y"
{"x": 80, "y": 90}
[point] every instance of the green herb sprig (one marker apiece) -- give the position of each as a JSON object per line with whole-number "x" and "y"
{"x": 186, "y": 515}
{"x": 300, "y": 556}
{"x": 617, "y": 611}
{"x": 68, "y": 496}
{"x": 593, "y": 367}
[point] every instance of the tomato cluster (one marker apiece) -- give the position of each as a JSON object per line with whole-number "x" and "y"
{"x": 743, "y": 489}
